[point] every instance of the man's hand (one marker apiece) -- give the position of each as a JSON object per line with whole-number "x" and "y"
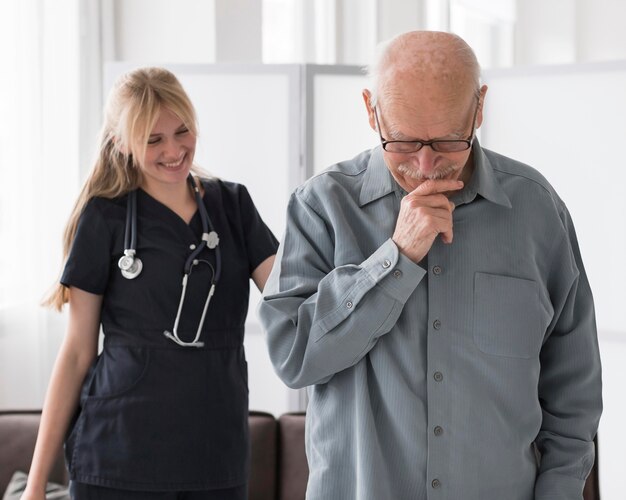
{"x": 425, "y": 213}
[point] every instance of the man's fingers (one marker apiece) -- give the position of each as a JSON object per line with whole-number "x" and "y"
{"x": 441, "y": 224}
{"x": 434, "y": 186}
{"x": 432, "y": 201}
{"x": 446, "y": 236}
{"x": 423, "y": 217}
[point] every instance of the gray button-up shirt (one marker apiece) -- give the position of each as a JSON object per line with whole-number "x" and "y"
{"x": 472, "y": 376}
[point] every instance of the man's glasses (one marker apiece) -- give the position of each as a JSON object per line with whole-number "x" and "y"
{"x": 439, "y": 145}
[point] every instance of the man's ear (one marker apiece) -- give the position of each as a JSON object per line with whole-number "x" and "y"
{"x": 479, "y": 115}
{"x": 367, "y": 98}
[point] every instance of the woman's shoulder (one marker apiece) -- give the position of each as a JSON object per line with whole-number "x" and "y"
{"x": 98, "y": 206}
{"x": 102, "y": 203}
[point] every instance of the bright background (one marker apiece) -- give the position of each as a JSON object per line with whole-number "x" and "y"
{"x": 58, "y": 58}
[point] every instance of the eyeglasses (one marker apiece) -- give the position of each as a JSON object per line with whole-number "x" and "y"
{"x": 439, "y": 145}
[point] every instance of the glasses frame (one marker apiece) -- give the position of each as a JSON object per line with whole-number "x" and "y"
{"x": 419, "y": 144}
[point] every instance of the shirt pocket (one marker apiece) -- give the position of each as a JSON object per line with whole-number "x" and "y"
{"x": 507, "y": 316}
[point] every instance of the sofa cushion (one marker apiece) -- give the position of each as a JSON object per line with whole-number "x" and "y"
{"x": 18, "y": 484}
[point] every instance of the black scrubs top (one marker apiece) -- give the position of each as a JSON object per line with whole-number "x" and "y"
{"x": 155, "y": 415}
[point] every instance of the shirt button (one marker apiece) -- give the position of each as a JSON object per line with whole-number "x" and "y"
{"x": 192, "y": 247}
{"x": 349, "y": 305}
{"x": 436, "y": 324}
{"x": 397, "y": 274}
{"x": 438, "y": 431}
{"x": 436, "y": 483}
{"x": 438, "y": 376}
{"x": 437, "y": 270}
{"x": 386, "y": 263}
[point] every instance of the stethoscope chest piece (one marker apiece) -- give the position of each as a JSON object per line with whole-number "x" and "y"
{"x": 130, "y": 265}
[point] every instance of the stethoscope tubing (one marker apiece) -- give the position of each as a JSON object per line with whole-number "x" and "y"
{"x": 130, "y": 231}
{"x": 131, "y": 266}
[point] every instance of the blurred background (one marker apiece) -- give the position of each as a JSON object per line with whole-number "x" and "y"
{"x": 287, "y": 75}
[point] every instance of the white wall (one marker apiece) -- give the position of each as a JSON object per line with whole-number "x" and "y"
{"x": 545, "y": 32}
{"x": 238, "y": 35}
{"x": 396, "y": 16}
{"x": 165, "y": 31}
{"x": 357, "y": 34}
{"x": 563, "y": 31}
{"x": 600, "y": 30}
{"x": 541, "y": 116}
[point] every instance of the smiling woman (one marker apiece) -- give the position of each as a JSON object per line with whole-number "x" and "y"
{"x": 106, "y": 407}
{"x": 169, "y": 153}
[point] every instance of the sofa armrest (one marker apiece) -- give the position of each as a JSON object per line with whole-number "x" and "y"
{"x": 263, "y": 459}
{"x": 293, "y": 469}
{"x": 18, "y": 433}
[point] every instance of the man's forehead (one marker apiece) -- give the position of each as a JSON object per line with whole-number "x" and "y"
{"x": 425, "y": 102}
{"x": 424, "y": 119}
{"x": 432, "y": 84}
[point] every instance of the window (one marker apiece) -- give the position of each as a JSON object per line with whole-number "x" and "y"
{"x": 38, "y": 180}
{"x": 300, "y": 31}
{"x": 488, "y": 27}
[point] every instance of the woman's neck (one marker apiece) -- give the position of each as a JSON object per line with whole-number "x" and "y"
{"x": 177, "y": 197}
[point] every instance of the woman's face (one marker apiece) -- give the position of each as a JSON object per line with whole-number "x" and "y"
{"x": 169, "y": 152}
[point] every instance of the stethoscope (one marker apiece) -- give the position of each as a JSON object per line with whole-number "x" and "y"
{"x": 131, "y": 266}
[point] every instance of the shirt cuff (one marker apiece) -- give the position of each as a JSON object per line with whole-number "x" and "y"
{"x": 395, "y": 273}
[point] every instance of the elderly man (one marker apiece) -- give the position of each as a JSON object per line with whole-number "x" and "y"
{"x": 431, "y": 295}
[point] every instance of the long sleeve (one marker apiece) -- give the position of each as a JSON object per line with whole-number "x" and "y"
{"x": 487, "y": 347}
{"x": 570, "y": 384}
{"x": 321, "y": 318}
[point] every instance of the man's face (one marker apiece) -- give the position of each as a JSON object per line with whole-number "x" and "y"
{"x": 424, "y": 117}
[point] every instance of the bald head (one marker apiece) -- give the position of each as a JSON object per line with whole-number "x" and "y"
{"x": 432, "y": 62}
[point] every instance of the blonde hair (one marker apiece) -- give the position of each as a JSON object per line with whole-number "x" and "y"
{"x": 132, "y": 109}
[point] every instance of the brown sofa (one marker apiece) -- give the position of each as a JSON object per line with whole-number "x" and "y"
{"x": 279, "y": 468}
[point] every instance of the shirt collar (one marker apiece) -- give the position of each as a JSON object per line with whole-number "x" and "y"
{"x": 378, "y": 181}
{"x": 482, "y": 182}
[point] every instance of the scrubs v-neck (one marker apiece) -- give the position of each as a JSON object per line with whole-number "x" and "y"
{"x": 155, "y": 415}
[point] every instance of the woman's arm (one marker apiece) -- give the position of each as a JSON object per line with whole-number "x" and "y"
{"x": 262, "y": 272}
{"x": 76, "y": 355}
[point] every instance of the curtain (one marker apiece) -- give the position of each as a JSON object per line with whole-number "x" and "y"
{"x": 39, "y": 125}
